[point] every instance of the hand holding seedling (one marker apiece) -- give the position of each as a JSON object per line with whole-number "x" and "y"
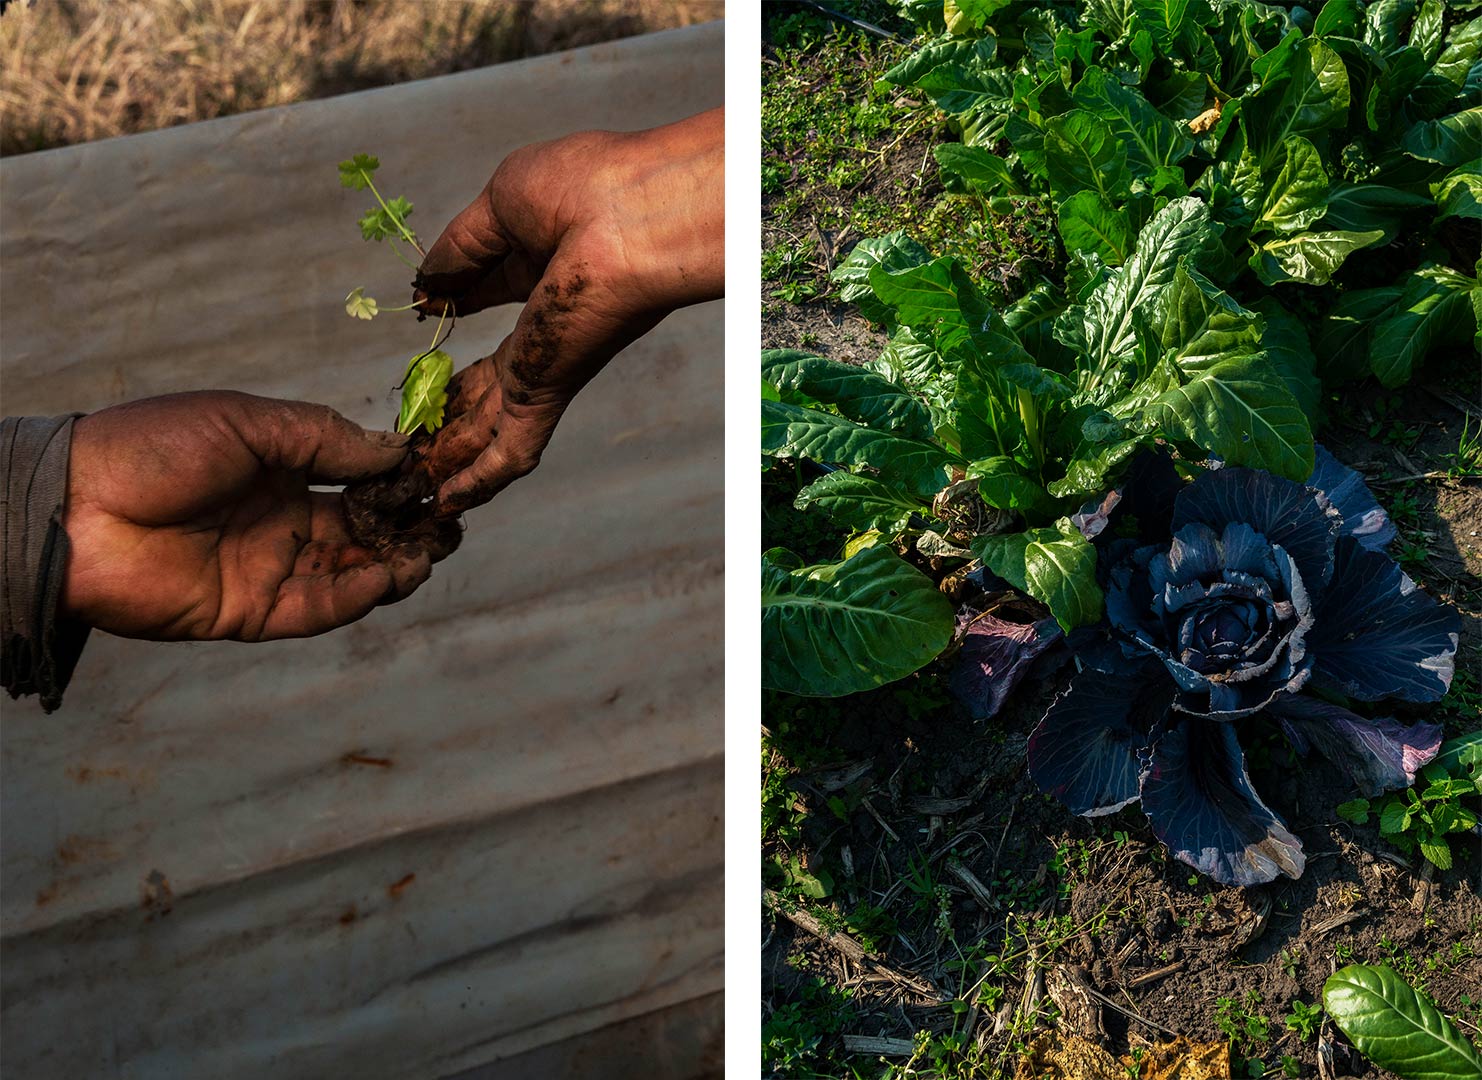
{"x": 601, "y": 235}
{"x": 190, "y": 518}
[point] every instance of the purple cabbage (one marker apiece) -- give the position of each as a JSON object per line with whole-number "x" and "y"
{"x": 1266, "y": 588}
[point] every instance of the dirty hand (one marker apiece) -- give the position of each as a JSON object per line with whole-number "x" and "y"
{"x": 601, "y": 234}
{"x": 190, "y": 518}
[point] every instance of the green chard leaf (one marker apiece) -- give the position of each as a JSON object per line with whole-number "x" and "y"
{"x": 1295, "y": 198}
{"x": 1396, "y": 1026}
{"x": 1152, "y": 140}
{"x": 1089, "y": 223}
{"x": 977, "y": 168}
{"x": 793, "y": 431}
{"x": 1342, "y": 343}
{"x": 1452, "y": 140}
{"x": 424, "y": 392}
{"x": 1240, "y": 409}
{"x": 859, "y": 394}
{"x": 1448, "y": 75}
{"x": 1459, "y": 194}
{"x": 894, "y": 251}
{"x": 860, "y": 503}
{"x": 1082, "y": 153}
{"x": 1056, "y": 566}
{"x": 1305, "y": 94}
{"x": 1434, "y": 306}
{"x": 844, "y": 627}
{"x": 1310, "y": 257}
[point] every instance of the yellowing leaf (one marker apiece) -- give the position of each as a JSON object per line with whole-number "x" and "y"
{"x": 360, "y": 306}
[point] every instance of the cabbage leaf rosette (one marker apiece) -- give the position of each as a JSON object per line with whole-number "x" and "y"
{"x": 1267, "y": 588}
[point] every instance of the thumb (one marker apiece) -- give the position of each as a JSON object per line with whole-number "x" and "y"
{"x": 299, "y": 436}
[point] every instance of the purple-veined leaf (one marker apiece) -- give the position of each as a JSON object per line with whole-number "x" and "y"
{"x": 1379, "y": 755}
{"x": 1363, "y": 518}
{"x": 1085, "y": 751}
{"x": 1199, "y": 798}
{"x": 995, "y": 656}
{"x": 1285, "y": 512}
{"x": 1378, "y": 635}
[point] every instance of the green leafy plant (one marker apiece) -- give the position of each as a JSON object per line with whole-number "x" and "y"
{"x": 1420, "y": 819}
{"x": 424, "y": 385}
{"x": 1304, "y": 1020}
{"x": 1397, "y": 1027}
{"x": 1310, "y": 139}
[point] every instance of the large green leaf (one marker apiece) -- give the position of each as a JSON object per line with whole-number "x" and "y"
{"x": 1434, "y": 307}
{"x": 1151, "y": 138}
{"x": 859, "y": 394}
{"x": 1459, "y": 194}
{"x": 1289, "y": 349}
{"x": 1342, "y": 341}
{"x": 1364, "y": 207}
{"x": 860, "y": 503}
{"x": 1307, "y": 93}
{"x": 1451, "y": 140}
{"x": 1055, "y": 566}
{"x": 1197, "y": 324}
{"x": 1448, "y": 74}
{"x": 1083, "y": 154}
{"x": 793, "y": 431}
{"x": 1310, "y": 257}
{"x": 1396, "y": 1027}
{"x": 1004, "y": 484}
{"x": 1090, "y": 223}
{"x": 1384, "y": 20}
{"x": 851, "y": 626}
{"x": 1090, "y": 467}
{"x": 894, "y": 251}
{"x": 1241, "y": 410}
{"x": 977, "y": 167}
{"x": 1295, "y": 198}
{"x": 1107, "y": 321}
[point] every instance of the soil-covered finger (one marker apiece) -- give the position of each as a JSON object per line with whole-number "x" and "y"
{"x": 410, "y": 566}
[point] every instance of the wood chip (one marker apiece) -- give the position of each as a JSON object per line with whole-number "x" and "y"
{"x": 1336, "y": 921}
{"x": 882, "y": 822}
{"x": 870, "y": 1044}
{"x": 970, "y": 882}
{"x": 1154, "y": 975}
{"x": 843, "y": 942}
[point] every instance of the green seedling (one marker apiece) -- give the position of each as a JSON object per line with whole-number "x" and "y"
{"x": 423, "y": 387}
{"x": 1304, "y": 1019}
{"x": 1421, "y": 818}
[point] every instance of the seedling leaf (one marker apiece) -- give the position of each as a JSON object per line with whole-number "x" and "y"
{"x": 424, "y": 392}
{"x": 355, "y": 174}
{"x": 360, "y": 306}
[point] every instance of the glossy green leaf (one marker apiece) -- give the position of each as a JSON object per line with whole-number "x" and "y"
{"x": 845, "y": 627}
{"x": 1448, "y": 75}
{"x": 1241, "y": 410}
{"x": 1289, "y": 350}
{"x": 894, "y": 251}
{"x": 1342, "y": 340}
{"x": 424, "y": 392}
{"x": 1459, "y": 194}
{"x": 1083, "y": 154}
{"x": 860, "y": 503}
{"x": 1383, "y": 22}
{"x": 1451, "y": 140}
{"x": 1427, "y": 33}
{"x": 1056, "y": 566}
{"x": 1296, "y": 198}
{"x": 792, "y": 431}
{"x": 1089, "y": 223}
{"x": 1363, "y": 207}
{"x": 1151, "y": 139}
{"x": 858, "y": 393}
{"x": 1091, "y": 466}
{"x": 1196, "y": 323}
{"x": 1003, "y": 483}
{"x": 1397, "y": 1027}
{"x": 1310, "y": 257}
{"x": 1107, "y": 321}
{"x": 1434, "y": 307}
{"x": 977, "y": 167}
{"x": 1337, "y": 17}
{"x": 1308, "y": 93}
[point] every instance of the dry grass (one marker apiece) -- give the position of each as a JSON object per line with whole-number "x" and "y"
{"x": 76, "y": 70}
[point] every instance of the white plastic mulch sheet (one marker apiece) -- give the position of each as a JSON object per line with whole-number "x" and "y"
{"x": 482, "y": 821}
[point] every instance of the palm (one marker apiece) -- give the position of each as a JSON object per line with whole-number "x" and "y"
{"x": 191, "y": 517}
